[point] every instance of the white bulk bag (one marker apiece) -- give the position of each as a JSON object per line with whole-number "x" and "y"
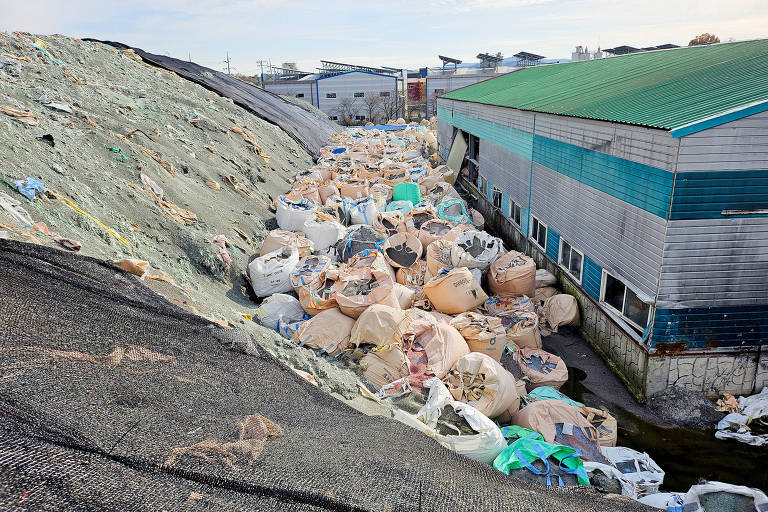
{"x": 279, "y": 307}
{"x": 484, "y": 446}
{"x": 362, "y": 211}
{"x": 693, "y": 501}
{"x": 292, "y": 215}
{"x": 323, "y": 234}
{"x": 466, "y": 242}
{"x": 271, "y": 273}
{"x": 637, "y": 468}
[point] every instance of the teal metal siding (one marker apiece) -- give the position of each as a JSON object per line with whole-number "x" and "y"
{"x": 711, "y": 327}
{"x": 592, "y": 277}
{"x": 704, "y": 195}
{"x": 640, "y": 185}
{"x": 525, "y": 220}
{"x": 553, "y": 243}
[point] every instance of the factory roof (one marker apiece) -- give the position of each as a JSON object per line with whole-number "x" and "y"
{"x": 682, "y": 89}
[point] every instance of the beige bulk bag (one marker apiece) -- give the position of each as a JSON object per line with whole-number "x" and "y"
{"x": 307, "y": 191}
{"x": 542, "y": 416}
{"x": 326, "y": 191}
{"x": 476, "y": 379}
{"x": 383, "y": 366}
{"x": 497, "y": 305}
{"x": 310, "y": 271}
{"x": 439, "y": 256}
{"x": 380, "y": 325}
{"x": 419, "y": 215}
{"x": 355, "y": 292}
{"x": 328, "y": 331}
{"x": 279, "y": 238}
{"x": 427, "y": 182}
{"x": 406, "y": 295}
{"x": 513, "y": 273}
{"x": 483, "y": 334}
{"x": 454, "y": 291}
{"x": 544, "y": 293}
{"x": 545, "y": 278}
{"x": 389, "y": 223}
{"x": 317, "y": 297}
{"x": 475, "y": 249}
{"x": 522, "y": 328}
{"x": 456, "y": 231}
{"x": 374, "y": 260}
{"x": 432, "y": 230}
{"x": 442, "y": 344}
{"x": 605, "y": 424}
{"x": 354, "y": 188}
{"x": 382, "y": 194}
{"x": 402, "y": 250}
{"x": 542, "y": 368}
{"x": 415, "y": 275}
{"x": 477, "y": 219}
{"x": 561, "y": 309}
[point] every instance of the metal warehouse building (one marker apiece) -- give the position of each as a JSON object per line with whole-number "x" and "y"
{"x": 642, "y": 182}
{"x": 344, "y": 92}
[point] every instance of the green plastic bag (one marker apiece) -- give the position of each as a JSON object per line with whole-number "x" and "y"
{"x": 407, "y": 191}
{"x": 547, "y": 393}
{"x": 525, "y": 451}
{"x": 515, "y": 432}
{"x": 454, "y": 210}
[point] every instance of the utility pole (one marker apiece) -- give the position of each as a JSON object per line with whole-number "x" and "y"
{"x": 228, "y": 61}
{"x": 261, "y": 63}
{"x": 189, "y": 55}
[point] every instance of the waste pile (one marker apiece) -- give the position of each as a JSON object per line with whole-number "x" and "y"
{"x": 399, "y": 281}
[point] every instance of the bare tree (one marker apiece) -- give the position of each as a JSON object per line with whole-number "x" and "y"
{"x": 373, "y": 106}
{"x": 705, "y": 38}
{"x": 392, "y": 106}
{"x": 346, "y": 110}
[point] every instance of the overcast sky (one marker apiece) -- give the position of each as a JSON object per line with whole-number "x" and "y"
{"x": 396, "y": 33}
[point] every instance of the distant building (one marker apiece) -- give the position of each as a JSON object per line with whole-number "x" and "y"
{"x": 348, "y": 94}
{"x": 582, "y": 53}
{"x": 641, "y": 181}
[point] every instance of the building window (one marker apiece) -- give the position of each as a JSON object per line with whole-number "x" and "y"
{"x": 359, "y": 118}
{"x": 334, "y": 118}
{"x": 330, "y": 95}
{"x": 439, "y": 91}
{"x": 482, "y": 186}
{"x": 624, "y": 301}
{"x": 496, "y": 195}
{"x": 515, "y": 213}
{"x": 359, "y": 95}
{"x": 539, "y": 232}
{"x": 571, "y": 259}
{"x": 384, "y": 94}
{"x": 300, "y": 95}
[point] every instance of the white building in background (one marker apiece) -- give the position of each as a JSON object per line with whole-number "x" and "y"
{"x": 442, "y": 80}
{"x": 582, "y": 53}
{"x": 355, "y": 96}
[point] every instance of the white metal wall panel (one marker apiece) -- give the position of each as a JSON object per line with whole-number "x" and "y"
{"x": 648, "y": 146}
{"x": 715, "y": 262}
{"x": 740, "y": 145}
{"x": 346, "y": 85}
{"x": 307, "y": 88}
{"x": 624, "y": 239}
{"x": 447, "y": 84}
{"x": 507, "y": 170}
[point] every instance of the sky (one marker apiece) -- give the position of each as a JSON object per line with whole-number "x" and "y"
{"x": 395, "y": 33}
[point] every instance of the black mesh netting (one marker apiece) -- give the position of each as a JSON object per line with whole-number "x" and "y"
{"x": 307, "y": 128}
{"x": 102, "y": 380}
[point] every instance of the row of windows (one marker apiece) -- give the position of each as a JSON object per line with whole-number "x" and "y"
{"x": 383, "y": 94}
{"x": 613, "y": 293}
{"x": 357, "y": 118}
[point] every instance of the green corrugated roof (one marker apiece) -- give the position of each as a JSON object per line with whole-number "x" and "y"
{"x": 664, "y": 88}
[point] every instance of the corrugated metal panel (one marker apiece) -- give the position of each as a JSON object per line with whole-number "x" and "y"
{"x": 663, "y": 89}
{"x": 553, "y": 243}
{"x": 704, "y": 195}
{"x": 740, "y": 145}
{"x": 624, "y": 239}
{"x": 507, "y": 170}
{"x": 711, "y": 327}
{"x": 591, "y": 279}
{"x": 715, "y": 262}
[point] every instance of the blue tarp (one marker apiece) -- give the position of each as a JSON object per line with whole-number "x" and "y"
{"x": 387, "y": 127}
